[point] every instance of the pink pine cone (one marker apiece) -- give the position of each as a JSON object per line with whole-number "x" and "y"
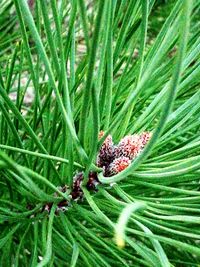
{"x": 118, "y": 165}
{"x": 129, "y": 146}
{"x": 106, "y": 151}
{"x": 115, "y": 158}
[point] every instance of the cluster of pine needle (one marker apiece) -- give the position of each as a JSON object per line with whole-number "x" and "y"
{"x": 99, "y": 133}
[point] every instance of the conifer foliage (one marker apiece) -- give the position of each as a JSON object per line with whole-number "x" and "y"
{"x": 99, "y": 133}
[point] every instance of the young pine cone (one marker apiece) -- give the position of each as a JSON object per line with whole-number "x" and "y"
{"x": 118, "y": 165}
{"x": 129, "y": 147}
{"x": 106, "y": 152}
